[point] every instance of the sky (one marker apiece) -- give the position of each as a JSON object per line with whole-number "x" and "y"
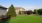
{"x": 26, "y": 4}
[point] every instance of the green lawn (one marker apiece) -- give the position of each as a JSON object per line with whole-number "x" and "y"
{"x": 26, "y": 19}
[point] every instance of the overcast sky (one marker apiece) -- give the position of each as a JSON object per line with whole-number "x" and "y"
{"x": 27, "y": 4}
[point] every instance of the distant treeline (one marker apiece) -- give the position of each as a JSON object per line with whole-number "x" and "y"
{"x": 36, "y": 11}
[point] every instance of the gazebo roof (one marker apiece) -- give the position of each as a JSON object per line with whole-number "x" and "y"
{"x": 3, "y": 7}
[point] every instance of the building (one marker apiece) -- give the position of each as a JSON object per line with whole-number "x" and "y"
{"x": 2, "y": 10}
{"x": 17, "y": 9}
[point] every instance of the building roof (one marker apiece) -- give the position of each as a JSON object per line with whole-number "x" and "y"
{"x": 3, "y": 7}
{"x": 19, "y": 8}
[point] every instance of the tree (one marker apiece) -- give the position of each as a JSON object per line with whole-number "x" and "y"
{"x": 11, "y": 11}
{"x": 35, "y": 11}
{"x": 40, "y": 11}
{"x": 29, "y": 12}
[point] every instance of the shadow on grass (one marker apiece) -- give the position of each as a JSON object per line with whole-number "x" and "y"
{"x": 5, "y": 21}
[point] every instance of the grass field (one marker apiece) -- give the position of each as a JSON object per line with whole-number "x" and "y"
{"x": 26, "y": 19}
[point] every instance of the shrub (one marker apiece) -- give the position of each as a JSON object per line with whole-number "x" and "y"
{"x": 4, "y": 17}
{"x": 19, "y": 12}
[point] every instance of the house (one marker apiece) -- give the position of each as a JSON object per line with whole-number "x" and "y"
{"x": 2, "y": 10}
{"x": 17, "y": 9}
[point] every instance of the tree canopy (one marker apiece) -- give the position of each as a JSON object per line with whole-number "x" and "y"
{"x": 11, "y": 11}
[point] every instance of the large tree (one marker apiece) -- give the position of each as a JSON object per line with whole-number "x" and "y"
{"x": 11, "y": 11}
{"x": 40, "y": 11}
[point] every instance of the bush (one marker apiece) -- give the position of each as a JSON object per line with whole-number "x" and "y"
{"x": 4, "y": 17}
{"x": 19, "y": 12}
